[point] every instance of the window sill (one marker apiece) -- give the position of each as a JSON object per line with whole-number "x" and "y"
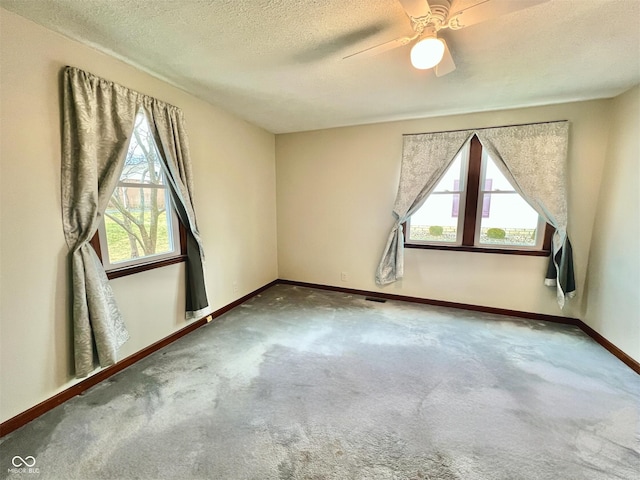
{"x": 143, "y": 267}
{"x": 461, "y": 248}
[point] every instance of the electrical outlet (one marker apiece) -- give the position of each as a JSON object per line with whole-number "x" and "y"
{"x": 235, "y": 287}
{"x": 344, "y": 276}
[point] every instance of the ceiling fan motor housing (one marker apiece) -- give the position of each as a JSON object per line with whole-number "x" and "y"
{"x": 435, "y": 19}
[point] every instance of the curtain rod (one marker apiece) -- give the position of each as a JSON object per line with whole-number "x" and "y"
{"x": 90, "y": 75}
{"x": 485, "y": 128}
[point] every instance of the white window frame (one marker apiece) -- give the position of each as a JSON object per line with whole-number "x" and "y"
{"x": 462, "y": 202}
{"x": 172, "y": 227}
{"x": 540, "y": 227}
{"x": 173, "y": 224}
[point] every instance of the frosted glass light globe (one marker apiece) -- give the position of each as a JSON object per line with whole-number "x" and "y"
{"x": 427, "y": 53}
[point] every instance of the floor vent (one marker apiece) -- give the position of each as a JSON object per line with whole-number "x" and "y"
{"x": 375, "y": 299}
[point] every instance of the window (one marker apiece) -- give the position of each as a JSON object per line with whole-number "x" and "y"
{"x": 475, "y": 208}
{"x": 140, "y": 229}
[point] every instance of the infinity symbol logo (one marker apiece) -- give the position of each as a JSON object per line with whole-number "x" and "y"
{"x": 18, "y": 461}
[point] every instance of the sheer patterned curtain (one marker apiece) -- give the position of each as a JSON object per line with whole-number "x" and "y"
{"x": 98, "y": 119}
{"x": 425, "y": 159}
{"x": 534, "y": 158}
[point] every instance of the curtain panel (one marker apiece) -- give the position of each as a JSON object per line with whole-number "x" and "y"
{"x": 425, "y": 159}
{"x": 533, "y": 157}
{"x": 97, "y": 124}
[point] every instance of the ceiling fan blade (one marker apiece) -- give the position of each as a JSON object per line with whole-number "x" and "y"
{"x": 383, "y": 47}
{"x": 415, "y": 8}
{"x": 486, "y": 10}
{"x": 446, "y": 65}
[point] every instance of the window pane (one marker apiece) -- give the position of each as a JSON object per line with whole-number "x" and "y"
{"x": 142, "y": 172}
{"x": 435, "y": 221}
{"x": 494, "y": 179}
{"x": 137, "y": 224}
{"x": 509, "y": 221}
{"x": 450, "y": 182}
{"x": 142, "y": 164}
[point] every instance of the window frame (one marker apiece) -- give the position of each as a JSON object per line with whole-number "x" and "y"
{"x": 472, "y": 211}
{"x": 464, "y": 155}
{"x": 149, "y": 262}
{"x": 143, "y": 265}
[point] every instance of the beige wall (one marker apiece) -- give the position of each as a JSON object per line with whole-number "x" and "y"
{"x": 234, "y": 170}
{"x": 336, "y": 190}
{"x": 613, "y": 280}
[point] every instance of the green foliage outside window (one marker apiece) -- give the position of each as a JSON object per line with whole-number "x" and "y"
{"x": 435, "y": 230}
{"x": 496, "y": 233}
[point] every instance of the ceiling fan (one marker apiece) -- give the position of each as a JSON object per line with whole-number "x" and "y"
{"x": 429, "y": 17}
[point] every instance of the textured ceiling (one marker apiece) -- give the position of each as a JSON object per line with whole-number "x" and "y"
{"x": 278, "y": 63}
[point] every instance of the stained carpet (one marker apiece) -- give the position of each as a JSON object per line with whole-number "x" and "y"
{"x": 307, "y": 384}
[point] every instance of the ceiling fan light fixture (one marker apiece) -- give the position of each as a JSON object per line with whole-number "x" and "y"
{"x": 427, "y": 53}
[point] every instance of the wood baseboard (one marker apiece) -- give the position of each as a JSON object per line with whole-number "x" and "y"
{"x": 28, "y": 415}
{"x": 626, "y": 359}
{"x": 440, "y": 303}
{"x": 34, "y": 412}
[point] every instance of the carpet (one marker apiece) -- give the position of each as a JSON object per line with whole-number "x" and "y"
{"x": 300, "y": 383}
